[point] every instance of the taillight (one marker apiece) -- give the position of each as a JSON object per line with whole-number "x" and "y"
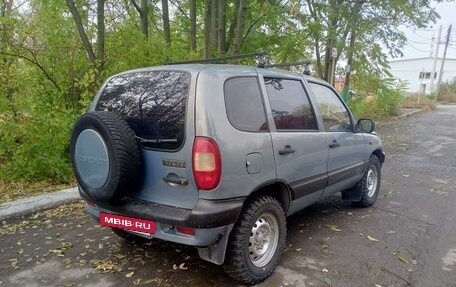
{"x": 207, "y": 163}
{"x": 185, "y": 230}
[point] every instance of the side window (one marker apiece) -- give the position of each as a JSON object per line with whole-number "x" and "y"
{"x": 290, "y": 105}
{"x": 244, "y": 106}
{"x": 335, "y": 115}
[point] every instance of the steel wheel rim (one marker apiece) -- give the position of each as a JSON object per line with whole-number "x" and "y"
{"x": 371, "y": 181}
{"x": 263, "y": 240}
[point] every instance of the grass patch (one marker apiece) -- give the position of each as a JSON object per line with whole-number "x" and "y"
{"x": 10, "y": 191}
{"x": 416, "y": 101}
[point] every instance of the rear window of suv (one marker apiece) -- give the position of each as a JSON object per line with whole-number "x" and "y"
{"x": 153, "y": 104}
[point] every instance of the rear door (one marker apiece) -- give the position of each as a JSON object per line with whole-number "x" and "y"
{"x": 156, "y": 104}
{"x": 299, "y": 147}
{"x": 346, "y": 148}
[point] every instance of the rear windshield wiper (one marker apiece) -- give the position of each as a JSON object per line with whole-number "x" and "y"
{"x": 156, "y": 141}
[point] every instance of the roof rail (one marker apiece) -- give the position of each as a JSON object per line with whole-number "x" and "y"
{"x": 221, "y": 59}
{"x": 306, "y": 64}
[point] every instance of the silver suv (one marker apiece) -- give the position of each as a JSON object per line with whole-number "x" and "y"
{"x": 217, "y": 156}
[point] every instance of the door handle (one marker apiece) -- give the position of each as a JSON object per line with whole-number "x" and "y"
{"x": 334, "y": 144}
{"x": 286, "y": 150}
{"x": 174, "y": 178}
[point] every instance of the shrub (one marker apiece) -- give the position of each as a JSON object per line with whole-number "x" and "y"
{"x": 447, "y": 93}
{"x": 381, "y": 99}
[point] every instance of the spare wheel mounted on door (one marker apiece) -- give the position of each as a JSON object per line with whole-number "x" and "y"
{"x": 105, "y": 155}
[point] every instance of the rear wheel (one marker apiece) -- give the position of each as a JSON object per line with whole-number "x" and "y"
{"x": 257, "y": 241}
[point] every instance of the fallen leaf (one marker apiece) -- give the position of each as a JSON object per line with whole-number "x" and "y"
{"x": 182, "y": 267}
{"x": 328, "y": 281}
{"x": 57, "y": 252}
{"x": 105, "y": 265}
{"x": 66, "y": 245}
{"x": 332, "y": 227}
{"x": 129, "y": 275}
{"x": 403, "y": 259}
{"x": 372, "y": 238}
{"x": 298, "y": 249}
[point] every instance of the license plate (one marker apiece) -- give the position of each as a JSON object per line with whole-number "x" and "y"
{"x": 128, "y": 223}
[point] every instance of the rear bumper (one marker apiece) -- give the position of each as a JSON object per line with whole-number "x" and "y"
{"x": 201, "y": 238}
{"x": 206, "y": 214}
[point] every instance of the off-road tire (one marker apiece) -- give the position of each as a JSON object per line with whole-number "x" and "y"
{"x": 369, "y": 185}
{"x": 239, "y": 263}
{"x": 118, "y": 141}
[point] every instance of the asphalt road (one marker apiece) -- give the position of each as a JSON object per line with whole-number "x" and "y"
{"x": 407, "y": 239}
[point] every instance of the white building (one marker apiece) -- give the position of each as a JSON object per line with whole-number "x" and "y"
{"x": 417, "y": 73}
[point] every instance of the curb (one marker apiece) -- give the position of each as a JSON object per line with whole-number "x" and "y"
{"x": 38, "y": 203}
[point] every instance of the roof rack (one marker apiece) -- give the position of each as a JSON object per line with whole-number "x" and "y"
{"x": 261, "y": 55}
{"x": 262, "y": 61}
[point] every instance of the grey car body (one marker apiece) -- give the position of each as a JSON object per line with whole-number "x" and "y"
{"x": 268, "y": 144}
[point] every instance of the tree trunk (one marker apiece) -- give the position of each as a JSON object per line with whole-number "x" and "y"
{"x": 143, "y": 11}
{"x": 82, "y": 33}
{"x": 214, "y": 24}
{"x": 330, "y": 42}
{"x": 221, "y": 33}
{"x": 230, "y": 38}
{"x": 318, "y": 56}
{"x": 100, "y": 33}
{"x": 192, "y": 25}
{"x": 350, "y": 58}
{"x": 145, "y": 18}
{"x": 243, "y": 6}
{"x": 166, "y": 29}
{"x": 207, "y": 29}
{"x": 354, "y": 26}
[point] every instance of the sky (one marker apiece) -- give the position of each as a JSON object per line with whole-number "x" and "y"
{"x": 419, "y": 41}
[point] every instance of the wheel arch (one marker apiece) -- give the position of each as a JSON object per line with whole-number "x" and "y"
{"x": 278, "y": 190}
{"x": 380, "y": 155}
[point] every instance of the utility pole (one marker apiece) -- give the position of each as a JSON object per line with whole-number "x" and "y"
{"x": 436, "y": 56}
{"x": 444, "y": 58}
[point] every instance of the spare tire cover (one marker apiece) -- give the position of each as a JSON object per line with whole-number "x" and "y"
{"x": 105, "y": 155}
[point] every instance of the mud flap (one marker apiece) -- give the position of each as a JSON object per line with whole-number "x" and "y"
{"x": 352, "y": 194}
{"x": 215, "y": 253}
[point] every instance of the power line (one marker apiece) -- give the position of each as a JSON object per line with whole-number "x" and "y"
{"x": 425, "y": 30}
{"x": 426, "y": 39}
{"x": 420, "y": 43}
{"x": 417, "y": 48}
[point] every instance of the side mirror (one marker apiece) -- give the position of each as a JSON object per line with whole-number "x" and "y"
{"x": 365, "y": 125}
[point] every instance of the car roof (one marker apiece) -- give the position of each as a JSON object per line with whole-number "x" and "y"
{"x": 226, "y": 69}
